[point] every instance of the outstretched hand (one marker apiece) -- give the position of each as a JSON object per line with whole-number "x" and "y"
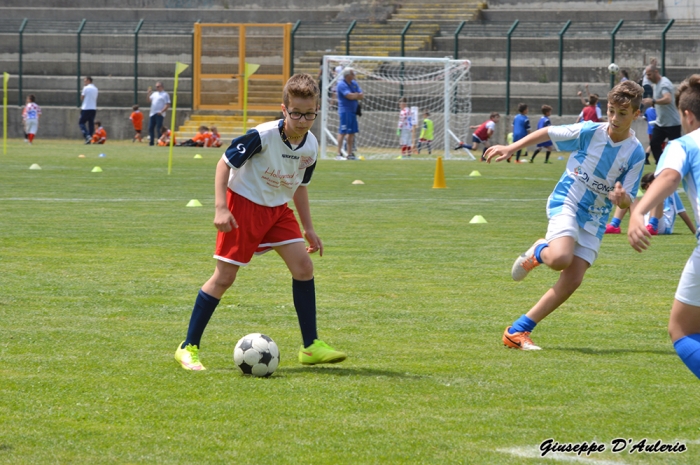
{"x": 501, "y": 152}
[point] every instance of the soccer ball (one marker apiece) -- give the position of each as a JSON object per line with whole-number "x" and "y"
{"x": 257, "y": 355}
{"x": 613, "y": 68}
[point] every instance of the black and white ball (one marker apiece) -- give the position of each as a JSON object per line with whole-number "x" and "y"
{"x": 257, "y": 355}
{"x": 613, "y": 68}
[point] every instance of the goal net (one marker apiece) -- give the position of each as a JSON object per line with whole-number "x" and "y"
{"x": 439, "y": 86}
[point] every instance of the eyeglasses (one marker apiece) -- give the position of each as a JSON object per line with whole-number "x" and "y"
{"x": 295, "y": 115}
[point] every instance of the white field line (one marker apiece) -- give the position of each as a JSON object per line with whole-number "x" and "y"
{"x": 533, "y": 453}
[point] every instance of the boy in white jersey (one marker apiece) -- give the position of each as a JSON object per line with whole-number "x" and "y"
{"x": 680, "y": 160}
{"x": 604, "y": 169}
{"x": 256, "y": 177}
{"x": 30, "y": 115}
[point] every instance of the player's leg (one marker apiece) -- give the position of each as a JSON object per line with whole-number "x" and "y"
{"x": 314, "y": 351}
{"x": 655, "y": 215}
{"x": 534, "y": 155}
{"x": 152, "y": 130}
{"x": 657, "y": 140}
{"x": 684, "y": 324}
{"x": 614, "y": 226}
{"x": 546, "y": 158}
{"x": 82, "y": 122}
{"x": 351, "y": 147}
{"x": 430, "y": 148}
{"x": 209, "y": 296}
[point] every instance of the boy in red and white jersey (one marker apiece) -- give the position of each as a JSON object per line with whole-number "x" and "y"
{"x": 482, "y": 134}
{"x": 30, "y": 115}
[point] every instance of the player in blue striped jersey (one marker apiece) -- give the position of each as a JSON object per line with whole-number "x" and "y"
{"x": 680, "y": 160}
{"x": 604, "y": 169}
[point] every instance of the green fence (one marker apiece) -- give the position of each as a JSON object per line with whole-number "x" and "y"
{"x": 51, "y": 58}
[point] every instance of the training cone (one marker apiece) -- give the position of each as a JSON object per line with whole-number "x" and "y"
{"x": 198, "y": 156}
{"x": 357, "y": 181}
{"x": 398, "y": 158}
{"x": 81, "y": 156}
{"x": 193, "y": 203}
{"x": 97, "y": 169}
{"x": 362, "y": 157}
{"x": 439, "y": 181}
{"x": 478, "y": 219}
{"x": 560, "y": 158}
{"x": 102, "y": 155}
{"x": 35, "y": 167}
{"x": 474, "y": 173}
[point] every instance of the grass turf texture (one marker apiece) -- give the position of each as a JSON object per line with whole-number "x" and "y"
{"x": 99, "y": 272}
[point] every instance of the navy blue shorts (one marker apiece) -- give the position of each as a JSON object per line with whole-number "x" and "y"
{"x": 348, "y": 123}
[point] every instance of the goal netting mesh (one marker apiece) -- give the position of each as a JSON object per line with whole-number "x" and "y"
{"x": 439, "y": 86}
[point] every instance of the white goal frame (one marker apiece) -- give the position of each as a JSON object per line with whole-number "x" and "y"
{"x": 450, "y": 135}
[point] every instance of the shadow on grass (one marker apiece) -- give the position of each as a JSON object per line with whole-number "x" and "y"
{"x": 344, "y": 371}
{"x": 589, "y": 351}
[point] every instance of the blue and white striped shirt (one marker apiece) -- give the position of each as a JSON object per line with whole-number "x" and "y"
{"x": 596, "y": 163}
{"x": 683, "y": 155}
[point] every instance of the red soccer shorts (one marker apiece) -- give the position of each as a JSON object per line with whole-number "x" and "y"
{"x": 259, "y": 229}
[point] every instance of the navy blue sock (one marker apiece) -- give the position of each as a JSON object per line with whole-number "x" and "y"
{"x": 538, "y": 251}
{"x": 654, "y": 222}
{"x": 203, "y": 309}
{"x": 522, "y": 324}
{"x": 688, "y": 349}
{"x": 616, "y": 222}
{"x": 304, "y": 293}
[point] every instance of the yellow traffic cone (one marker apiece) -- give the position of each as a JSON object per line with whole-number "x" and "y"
{"x": 439, "y": 181}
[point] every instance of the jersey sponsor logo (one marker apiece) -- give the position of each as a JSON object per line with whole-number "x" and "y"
{"x": 306, "y": 162}
{"x": 594, "y": 184}
{"x": 293, "y": 157}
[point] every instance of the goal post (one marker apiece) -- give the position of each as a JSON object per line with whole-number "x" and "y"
{"x": 440, "y": 87}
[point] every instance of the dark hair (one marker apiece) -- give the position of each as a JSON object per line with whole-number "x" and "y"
{"x": 163, "y": 129}
{"x": 300, "y": 86}
{"x": 546, "y": 109}
{"x": 626, "y": 93}
{"x": 624, "y": 73}
{"x": 593, "y": 99}
{"x": 688, "y": 95}
{"x": 135, "y": 107}
{"x": 98, "y": 124}
{"x": 403, "y": 100}
{"x": 31, "y": 98}
{"x": 647, "y": 179}
{"x": 88, "y": 78}
{"x": 522, "y": 107}
{"x": 494, "y": 114}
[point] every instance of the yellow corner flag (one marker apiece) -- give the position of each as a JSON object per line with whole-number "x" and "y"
{"x": 250, "y": 69}
{"x": 179, "y": 68}
{"x": 5, "y": 78}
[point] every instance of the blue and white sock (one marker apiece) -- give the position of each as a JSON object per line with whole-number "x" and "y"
{"x": 688, "y": 349}
{"x": 522, "y": 324}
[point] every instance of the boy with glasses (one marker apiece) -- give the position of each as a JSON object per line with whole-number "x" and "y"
{"x": 255, "y": 178}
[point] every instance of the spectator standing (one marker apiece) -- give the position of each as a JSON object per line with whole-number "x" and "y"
{"x": 160, "y": 102}
{"x": 349, "y": 95}
{"x": 668, "y": 120}
{"x": 88, "y": 109}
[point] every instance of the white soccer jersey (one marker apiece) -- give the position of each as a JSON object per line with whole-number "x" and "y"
{"x": 683, "y": 155}
{"x": 265, "y": 168}
{"x": 595, "y": 165}
{"x": 31, "y": 111}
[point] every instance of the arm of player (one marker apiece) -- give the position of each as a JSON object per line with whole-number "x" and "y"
{"x": 301, "y": 202}
{"x": 688, "y": 222}
{"x": 223, "y": 219}
{"x": 663, "y": 186}
{"x": 503, "y": 152}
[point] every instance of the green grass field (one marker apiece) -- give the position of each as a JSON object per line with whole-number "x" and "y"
{"x": 99, "y": 271}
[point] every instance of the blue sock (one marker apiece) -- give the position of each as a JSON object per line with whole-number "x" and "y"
{"x": 538, "y": 251}
{"x": 304, "y": 293}
{"x": 688, "y": 349}
{"x": 203, "y": 309}
{"x": 616, "y": 222}
{"x": 522, "y": 324}
{"x": 654, "y": 222}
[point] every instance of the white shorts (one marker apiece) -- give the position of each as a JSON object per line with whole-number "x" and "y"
{"x": 31, "y": 125}
{"x": 563, "y": 225}
{"x": 406, "y": 137}
{"x": 688, "y": 290}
